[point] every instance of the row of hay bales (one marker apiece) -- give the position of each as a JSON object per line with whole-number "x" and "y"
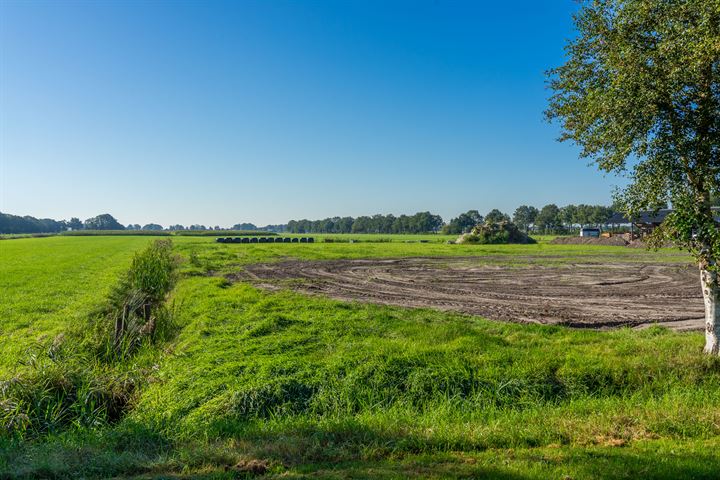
{"x": 265, "y": 240}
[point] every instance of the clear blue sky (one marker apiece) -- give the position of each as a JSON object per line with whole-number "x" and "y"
{"x": 265, "y": 111}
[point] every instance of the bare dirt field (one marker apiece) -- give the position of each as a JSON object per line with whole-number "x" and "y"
{"x": 589, "y": 295}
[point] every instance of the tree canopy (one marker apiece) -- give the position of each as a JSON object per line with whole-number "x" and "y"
{"x": 103, "y": 222}
{"x": 524, "y": 216}
{"x": 421, "y": 222}
{"x": 152, "y": 226}
{"x": 640, "y": 94}
{"x": 496, "y": 216}
{"x": 463, "y": 223}
{"x": 27, "y": 224}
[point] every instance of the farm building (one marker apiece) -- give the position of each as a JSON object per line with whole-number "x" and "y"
{"x": 590, "y": 232}
{"x": 645, "y": 222}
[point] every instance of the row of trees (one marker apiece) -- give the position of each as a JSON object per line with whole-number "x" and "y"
{"x": 178, "y": 227}
{"x": 16, "y": 224}
{"x": 421, "y": 222}
{"x": 156, "y": 227}
{"x": 548, "y": 219}
{"x": 554, "y": 219}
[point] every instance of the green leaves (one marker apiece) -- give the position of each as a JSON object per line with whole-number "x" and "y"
{"x": 640, "y": 94}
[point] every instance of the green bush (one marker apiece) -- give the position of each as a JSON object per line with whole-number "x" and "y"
{"x": 495, "y": 233}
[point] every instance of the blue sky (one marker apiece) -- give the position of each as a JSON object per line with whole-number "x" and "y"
{"x": 265, "y": 111}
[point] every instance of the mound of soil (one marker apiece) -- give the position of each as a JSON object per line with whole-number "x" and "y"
{"x": 495, "y": 233}
{"x": 591, "y": 295}
{"x": 615, "y": 241}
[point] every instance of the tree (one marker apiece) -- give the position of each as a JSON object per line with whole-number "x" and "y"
{"x": 244, "y": 226}
{"x": 463, "y": 223}
{"x": 425, "y": 222}
{"x": 75, "y": 224}
{"x": 361, "y": 224}
{"x": 103, "y": 222}
{"x": 525, "y": 215}
{"x": 344, "y": 225}
{"x": 568, "y": 216}
{"x": 548, "y": 219}
{"x": 27, "y": 224}
{"x": 640, "y": 95}
{"x": 152, "y": 226}
{"x": 496, "y": 216}
{"x": 600, "y": 215}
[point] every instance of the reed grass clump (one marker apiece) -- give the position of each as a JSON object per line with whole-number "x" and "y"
{"x": 136, "y": 310}
{"x": 84, "y": 377}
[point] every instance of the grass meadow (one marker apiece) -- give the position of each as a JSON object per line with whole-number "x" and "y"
{"x": 48, "y": 283}
{"x": 257, "y": 384}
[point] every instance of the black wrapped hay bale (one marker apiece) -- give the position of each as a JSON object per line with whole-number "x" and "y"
{"x": 254, "y": 240}
{"x": 245, "y": 240}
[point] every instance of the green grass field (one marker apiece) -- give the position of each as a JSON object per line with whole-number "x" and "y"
{"x": 280, "y": 385}
{"x": 46, "y": 283}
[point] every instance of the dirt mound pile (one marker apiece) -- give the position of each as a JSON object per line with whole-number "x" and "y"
{"x": 493, "y": 233}
{"x": 615, "y": 241}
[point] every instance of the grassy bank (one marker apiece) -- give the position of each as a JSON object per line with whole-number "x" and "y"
{"x": 89, "y": 375}
{"x": 284, "y": 385}
{"x": 48, "y": 283}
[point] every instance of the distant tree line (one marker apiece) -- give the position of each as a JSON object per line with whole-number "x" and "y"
{"x": 466, "y": 221}
{"x": 421, "y": 222}
{"x": 548, "y": 219}
{"x": 27, "y": 224}
{"x": 16, "y": 224}
{"x": 554, "y": 219}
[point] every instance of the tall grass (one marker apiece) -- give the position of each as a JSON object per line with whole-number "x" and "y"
{"x": 135, "y": 309}
{"x": 83, "y": 378}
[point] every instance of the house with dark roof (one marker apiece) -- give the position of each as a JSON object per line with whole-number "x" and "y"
{"x": 647, "y": 221}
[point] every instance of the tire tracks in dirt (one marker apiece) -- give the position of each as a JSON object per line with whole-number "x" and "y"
{"x": 581, "y": 295}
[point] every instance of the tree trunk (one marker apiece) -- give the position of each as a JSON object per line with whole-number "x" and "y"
{"x": 711, "y": 295}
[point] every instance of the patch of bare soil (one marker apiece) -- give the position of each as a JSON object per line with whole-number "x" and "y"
{"x": 600, "y": 296}
{"x": 614, "y": 241}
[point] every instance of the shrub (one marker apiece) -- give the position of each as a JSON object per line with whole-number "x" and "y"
{"x": 502, "y": 232}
